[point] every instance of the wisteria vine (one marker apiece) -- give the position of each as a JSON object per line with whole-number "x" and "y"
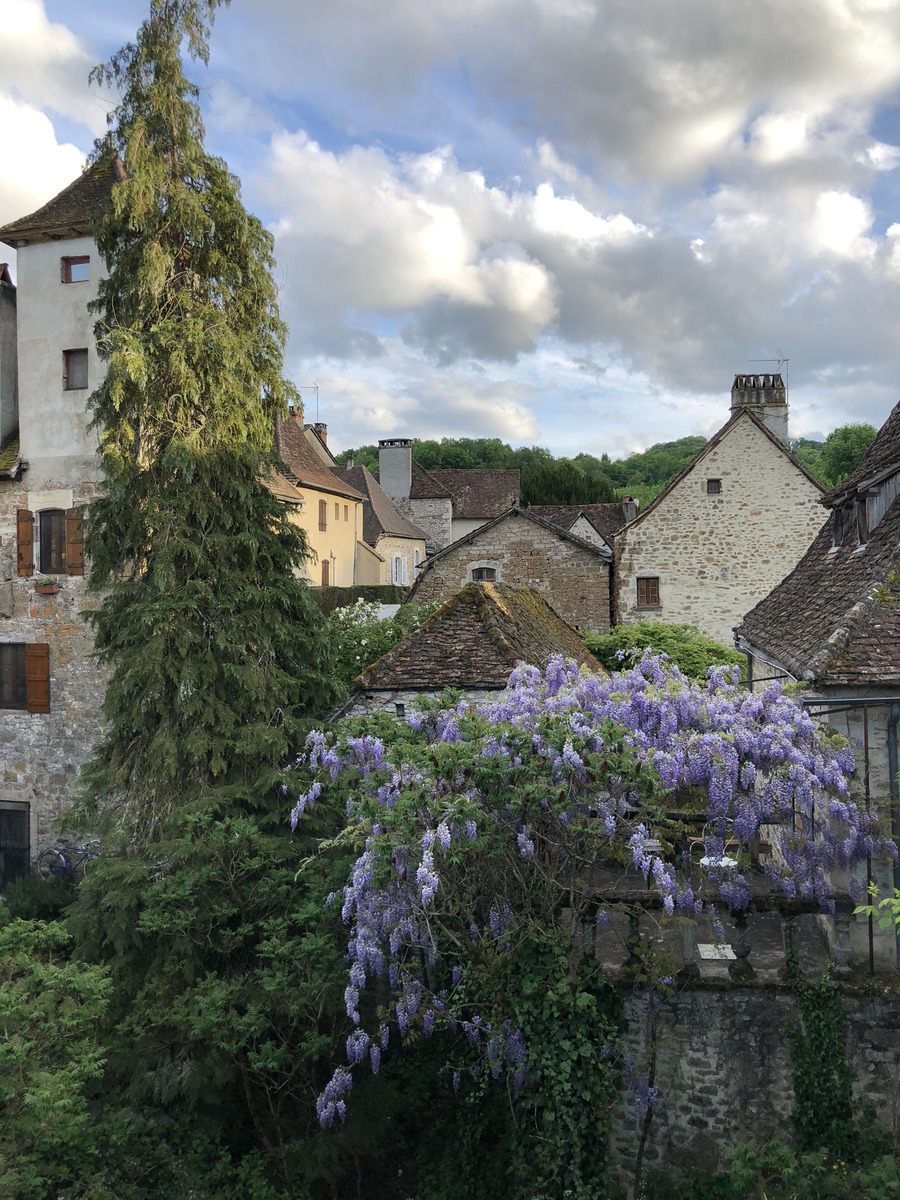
{"x": 480, "y": 821}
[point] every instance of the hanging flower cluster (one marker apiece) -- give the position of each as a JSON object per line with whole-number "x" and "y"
{"x": 481, "y": 821}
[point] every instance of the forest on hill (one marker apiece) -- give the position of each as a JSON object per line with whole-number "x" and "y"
{"x": 586, "y": 479}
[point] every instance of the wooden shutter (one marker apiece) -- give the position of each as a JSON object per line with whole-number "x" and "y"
{"x": 24, "y": 542}
{"x": 37, "y": 677}
{"x": 74, "y": 541}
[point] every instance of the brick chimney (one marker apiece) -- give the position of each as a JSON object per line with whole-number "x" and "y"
{"x": 395, "y": 466}
{"x": 296, "y": 413}
{"x": 766, "y": 396}
{"x": 322, "y": 430}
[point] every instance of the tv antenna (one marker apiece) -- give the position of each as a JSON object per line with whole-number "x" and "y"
{"x": 783, "y": 361}
{"x": 311, "y": 387}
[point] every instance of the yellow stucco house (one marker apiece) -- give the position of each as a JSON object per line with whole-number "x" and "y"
{"x": 325, "y": 505}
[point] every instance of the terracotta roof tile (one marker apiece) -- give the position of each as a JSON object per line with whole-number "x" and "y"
{"x": 837, "y": 615}
{"x": 379, "y": 514}
{"x": 607, "y": 519}
{"x": 480, "y": 494}
{"x": 305, "y": 466}
{"x": 71, "y": 212}
{"x": 475, "y": 639}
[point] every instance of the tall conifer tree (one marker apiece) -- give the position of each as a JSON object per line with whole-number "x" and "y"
{"x": 218, "y": 651}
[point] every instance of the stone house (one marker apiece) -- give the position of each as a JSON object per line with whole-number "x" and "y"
{"x": 471, "y": 643}
{"x": 445, "y": 505}
{"x": 833, "y": 624}
{"x": 522, "y": 549}
{"x": 399, "y": 543}
{"x": 594, "y": 523}
{"x": 729, "y": 528}
{"x": 50, "y": 687}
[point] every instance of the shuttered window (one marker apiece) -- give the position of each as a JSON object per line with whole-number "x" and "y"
{"x": 323, "y": 515}
{"x": 25, "y": 676}
{"x": 60, "y": 537}
{"x": 326, "y": 572}
{"x": 648, "y": 593}
{"x": 24, "y": 542}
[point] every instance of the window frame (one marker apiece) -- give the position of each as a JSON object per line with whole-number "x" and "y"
{"x": 74, "y": 260}
{"x": 68, "y": 372}
{"x": 648, "y": 595}
{"x": 484, "y": 574}
{"x": 714, "y": 487}
{"x": 52, "y": 536}
{"x": 31, "y": 672}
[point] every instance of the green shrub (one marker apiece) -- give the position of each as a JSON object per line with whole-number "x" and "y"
{"x": 35, "y": 899}
{"x": 692, "y": 651}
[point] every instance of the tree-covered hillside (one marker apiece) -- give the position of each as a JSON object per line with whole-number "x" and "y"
{"x": 586, "y": 479}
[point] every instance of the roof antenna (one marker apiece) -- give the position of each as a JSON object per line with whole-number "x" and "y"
{"x": 782, "y": 360}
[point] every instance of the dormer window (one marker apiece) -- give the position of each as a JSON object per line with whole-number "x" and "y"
{"x": 76, "y": 269}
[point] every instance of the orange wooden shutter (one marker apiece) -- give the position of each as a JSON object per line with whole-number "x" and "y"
{"x": 37, "y": 677}
{"x": 24, "y": 542}
{"x": 74, "y": 541}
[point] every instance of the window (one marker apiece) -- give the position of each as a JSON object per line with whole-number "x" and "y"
{"x": 337, "y": 512}
{"x": 60, "y": 541}
{"x": 714, "y": 487}
{"x": 52, "y": 542}
{"x": 346, "y": 512}
{"x": 323, "y": 514}
{"x": 400, "y": 709}
{"x": 25, "y": 676}
{"x": 862, "y": 522}
{"x": 484, "y": 574}
{"x": 75, "y": 370}
{"x": 326, "y": 572}
{"x": 15, "y": 840}
{"x": 399, "y": 571}
{"x": 648, "y": 592}
{"x": 76, "y": 270}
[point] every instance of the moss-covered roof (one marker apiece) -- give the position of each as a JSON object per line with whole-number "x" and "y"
{"x": 70, "y": 213}
{"x": 475, "y": 640}
{"x": 9, "y": 453}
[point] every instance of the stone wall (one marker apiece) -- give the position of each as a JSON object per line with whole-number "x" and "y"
{"x": 40, "y": 753}
{"x": 572, "y": 579}
{"x": 368, "y": 703}
{"x": 433, "y": 517}
{"x": 716, "y": 556}
{"x": 724, "y": 1070}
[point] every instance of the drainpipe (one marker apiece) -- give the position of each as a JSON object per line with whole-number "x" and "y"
{"x": 893, "y": 767}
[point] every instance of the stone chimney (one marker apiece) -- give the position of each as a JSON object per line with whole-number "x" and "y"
{"x": 766, "y": 396}
{"x": 322, "y": 430}
{"x": 630, "y": 509}
{"x": 350, "y": 462}
{"x": 395, "y": 466}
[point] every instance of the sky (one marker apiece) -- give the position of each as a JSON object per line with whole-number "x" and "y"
{"x": 558, "y": 222}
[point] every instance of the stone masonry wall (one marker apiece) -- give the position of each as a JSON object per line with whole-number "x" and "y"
{"x": 366, "y": 705}
{"x": 724, "y": 1071}
{"x": 717, "y": 556}
{"x": 433, "y": 517}
{"x": 573, "y": 580}
{"x": 41, "y": 753}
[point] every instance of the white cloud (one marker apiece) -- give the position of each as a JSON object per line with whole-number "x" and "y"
{"x": 33, "y": 166}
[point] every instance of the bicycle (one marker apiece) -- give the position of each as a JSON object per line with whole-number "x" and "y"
{"x": 70, "y": 863}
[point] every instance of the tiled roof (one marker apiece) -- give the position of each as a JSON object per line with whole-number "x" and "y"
{"x": 475, "y": 639}
{"x": 379, "y": 514}
{"x": 607, "y": 519}
{"x": 837, "y": 615}
{"x": 282, "y": 488}
{"x": 305, "y": 465}
{"x": 70, "y": 213}
{"x": 882, "y": 454}
{"x": 480, "y": 494}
